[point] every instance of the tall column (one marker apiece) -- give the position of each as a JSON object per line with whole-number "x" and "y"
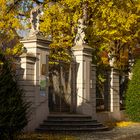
{"x": 114, "y": 100}
{"x": 34, "y": 64}
{"x": 84, "y": 81}
{"x": 114, "y": 96}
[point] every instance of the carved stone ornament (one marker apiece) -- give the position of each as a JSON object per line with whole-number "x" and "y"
{"x": 34, "y": 19}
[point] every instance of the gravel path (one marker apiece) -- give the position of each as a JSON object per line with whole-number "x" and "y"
{"x": 119, "y": 133}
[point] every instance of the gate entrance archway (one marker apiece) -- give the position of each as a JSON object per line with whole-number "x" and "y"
{"x": 61, "y": 80}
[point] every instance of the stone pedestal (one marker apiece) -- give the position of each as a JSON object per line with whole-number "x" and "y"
{"x": 85, "y": 90}
{"x": 114, "y": 97}
{"x": 34, "y": 78}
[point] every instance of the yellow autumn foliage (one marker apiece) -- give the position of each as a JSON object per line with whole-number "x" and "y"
{"x": 9, "y": 24}
{"x": 106, "y": 22}
{"x": 125, "y": 124}
{"x": 121, "y": 124}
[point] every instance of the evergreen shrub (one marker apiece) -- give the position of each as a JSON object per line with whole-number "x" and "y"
{"x": 133, "y": 94}
{"x": 13, "y": 109}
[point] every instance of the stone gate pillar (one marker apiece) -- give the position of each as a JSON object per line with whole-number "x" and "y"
{"x": 34, "y": 80}
{"x": 114, "y": 97}
{"x": 85, "y": 91}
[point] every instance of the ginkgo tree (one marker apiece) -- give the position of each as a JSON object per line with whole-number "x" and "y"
{"x": 111, "y": 27}
{"x": 13, "y": 15}
{"x": 8, "y": 24}
{"x": 60, "y": 21}
{"x": 116, "y": 26}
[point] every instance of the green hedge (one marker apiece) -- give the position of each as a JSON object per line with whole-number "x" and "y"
{"x": 133, "y": 94}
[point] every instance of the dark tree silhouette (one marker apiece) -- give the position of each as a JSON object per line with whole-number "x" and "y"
{"x": 13, "y": 109}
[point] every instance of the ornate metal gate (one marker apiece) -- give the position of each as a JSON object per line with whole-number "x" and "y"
{"x": 61, "y": 88}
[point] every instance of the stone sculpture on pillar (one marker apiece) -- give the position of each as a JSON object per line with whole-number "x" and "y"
{"x": 79, "y": 40}
{"x": 34, "y": 19}
{"x": 85, "y": 91}
{"x": 35, "y": 65}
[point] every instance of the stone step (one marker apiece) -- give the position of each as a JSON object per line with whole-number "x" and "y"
{"x": 70, "y": 122}
{"x": 79, "y": 129}
{"x": 68, "y": 117}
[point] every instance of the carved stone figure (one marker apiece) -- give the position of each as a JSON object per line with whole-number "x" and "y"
{"x": 79, "y": 40}
{"x": 34, "y": 19}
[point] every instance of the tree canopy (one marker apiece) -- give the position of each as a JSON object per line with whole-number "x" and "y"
{"x": 13, "y": 14}
{"x": 109, "y": 25}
